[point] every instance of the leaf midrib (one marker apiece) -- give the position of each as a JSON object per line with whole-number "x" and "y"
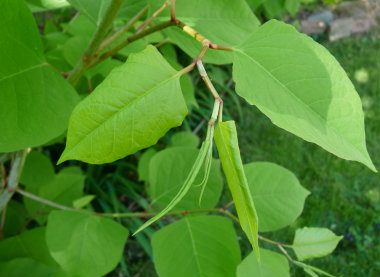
{"x": 317, "y": 242}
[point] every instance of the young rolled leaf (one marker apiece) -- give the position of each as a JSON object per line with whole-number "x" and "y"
{"x": 35, "y": 101}
{"x": 131, "y": 109}
{"x": 228, "y": 147}
{"x": 300, "y": 86}
{"x": 185, "y": 186}
{"x": 314, "y": 242}
{"x": 197, "y": 246}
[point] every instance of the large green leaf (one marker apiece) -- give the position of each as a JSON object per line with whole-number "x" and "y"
{"x": 271, "y": 264}
{"x": 30, "y": 244}
{"x": 314, "y": 242}
{"x": 35, "y": 101}
{"x": 143, "y": 164}
{"x": 226, "y": 22}
{"x": 130, "y": 110}
{"x": 277, "y": 193}
{"x": 169, "y": 169}
{"x": 38, "y": 170}
{"x": 199, "y": 246}
{"x": 63, "y": 189}
{"x": 300, "y": 86}
{"x": 25, "y": 267}
{"x": 228, "y": 147}
{"x": 85, "y": 245}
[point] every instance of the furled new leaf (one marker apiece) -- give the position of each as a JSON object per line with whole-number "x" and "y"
{"x": 277, "y": 193}
{"x": 300, "y": 86}
{"x": 85, "y": 245}
{"x": 35, "y": 101}
{"x": 130, "y": 110}
{"x": 225, "y": 22}
{"x": 168, "y": 171}
{"x": 271, "y": 264}
{"x": 199, "y": 246}
{"x": 314, "y": 242}
{"x": 228, "y": 147}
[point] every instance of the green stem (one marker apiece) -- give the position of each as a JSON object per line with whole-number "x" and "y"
{"x": 149, "y": 20}
{"x": 14, "y": 177}
{"x": 130, "y": 39}
{"x": 107, "y": 42}
{"x": 96, "y": 40}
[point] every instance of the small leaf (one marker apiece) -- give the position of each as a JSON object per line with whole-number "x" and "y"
{"x": 292, "y": 6}
{"x": 300, "y": 86}
{"x": 185, "y": 139}
{"x": 271, "y": 264}
{"x": 83, "y": 201}
{"x": 143, "y": 164}
{"x": 38, "y": 170}
{"x": 169, "y": 169}
{"x": 199, "y": 246}
{"x": 222, "y": 22}
{"x": 130, "y": 110}
{"x": 279, "y": 197}
{"x": 85, "y": 245}
{"x": 314, "y": 242}
{"x": 228, "y": 147}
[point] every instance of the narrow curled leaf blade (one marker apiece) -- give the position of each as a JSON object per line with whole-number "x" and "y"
{"x": 130, "y": 110}
{"x": 300, "y": 86}
{"x": 185, "y": 187}
{"x": 227, "y": 143}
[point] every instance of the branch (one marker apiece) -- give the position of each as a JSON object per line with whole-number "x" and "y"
{"x": 130, "y": 39}
{"x": 14, "y": 177}
{"x": 107, "y": 42}
{"x": 149, "y": 20}
{"x": 96, "y": 40}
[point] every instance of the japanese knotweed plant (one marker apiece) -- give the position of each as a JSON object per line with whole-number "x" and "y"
{"x": 291, "y": 79}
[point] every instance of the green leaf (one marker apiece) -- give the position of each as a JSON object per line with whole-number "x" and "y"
{"x": 271, "y": 264}
{"x": 38, "y": 170}
{"x": 130, "y": 110}
{"x": 45, "y": 5}
{"x": 30, "y": 244}
{"x": 74, "y": 48}
{"x": 185, "y": 139}
{"x": 228, "y": 147}
{"x": 85, "y": 245}
{"x": 24, "y": 267}
{"x": 143, "y": 164}
{"x": 292, "y": 6}
{"x": 35, "y": 101}
{"x": 169, "y": 169}
{"x": 300, "y": 86}
{"x": 314, "y": 242}
{"x": 279, "y": 197}
{"x": 226, "y": 22}
{"x": 199, "y": 246}
{"x": 15, "y": 218}
{"x": 273, "y": 8}
{"x": 63, "y": 189}
{"x": 83, "y": 201}
{"x": 92, "y": 9}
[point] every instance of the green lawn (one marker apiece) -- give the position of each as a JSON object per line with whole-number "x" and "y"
{"x": 345, "y": 195}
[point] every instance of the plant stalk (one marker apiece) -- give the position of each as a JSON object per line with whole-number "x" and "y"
{"x": 96, "y": 40}
{"x": 14, "y": 177}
